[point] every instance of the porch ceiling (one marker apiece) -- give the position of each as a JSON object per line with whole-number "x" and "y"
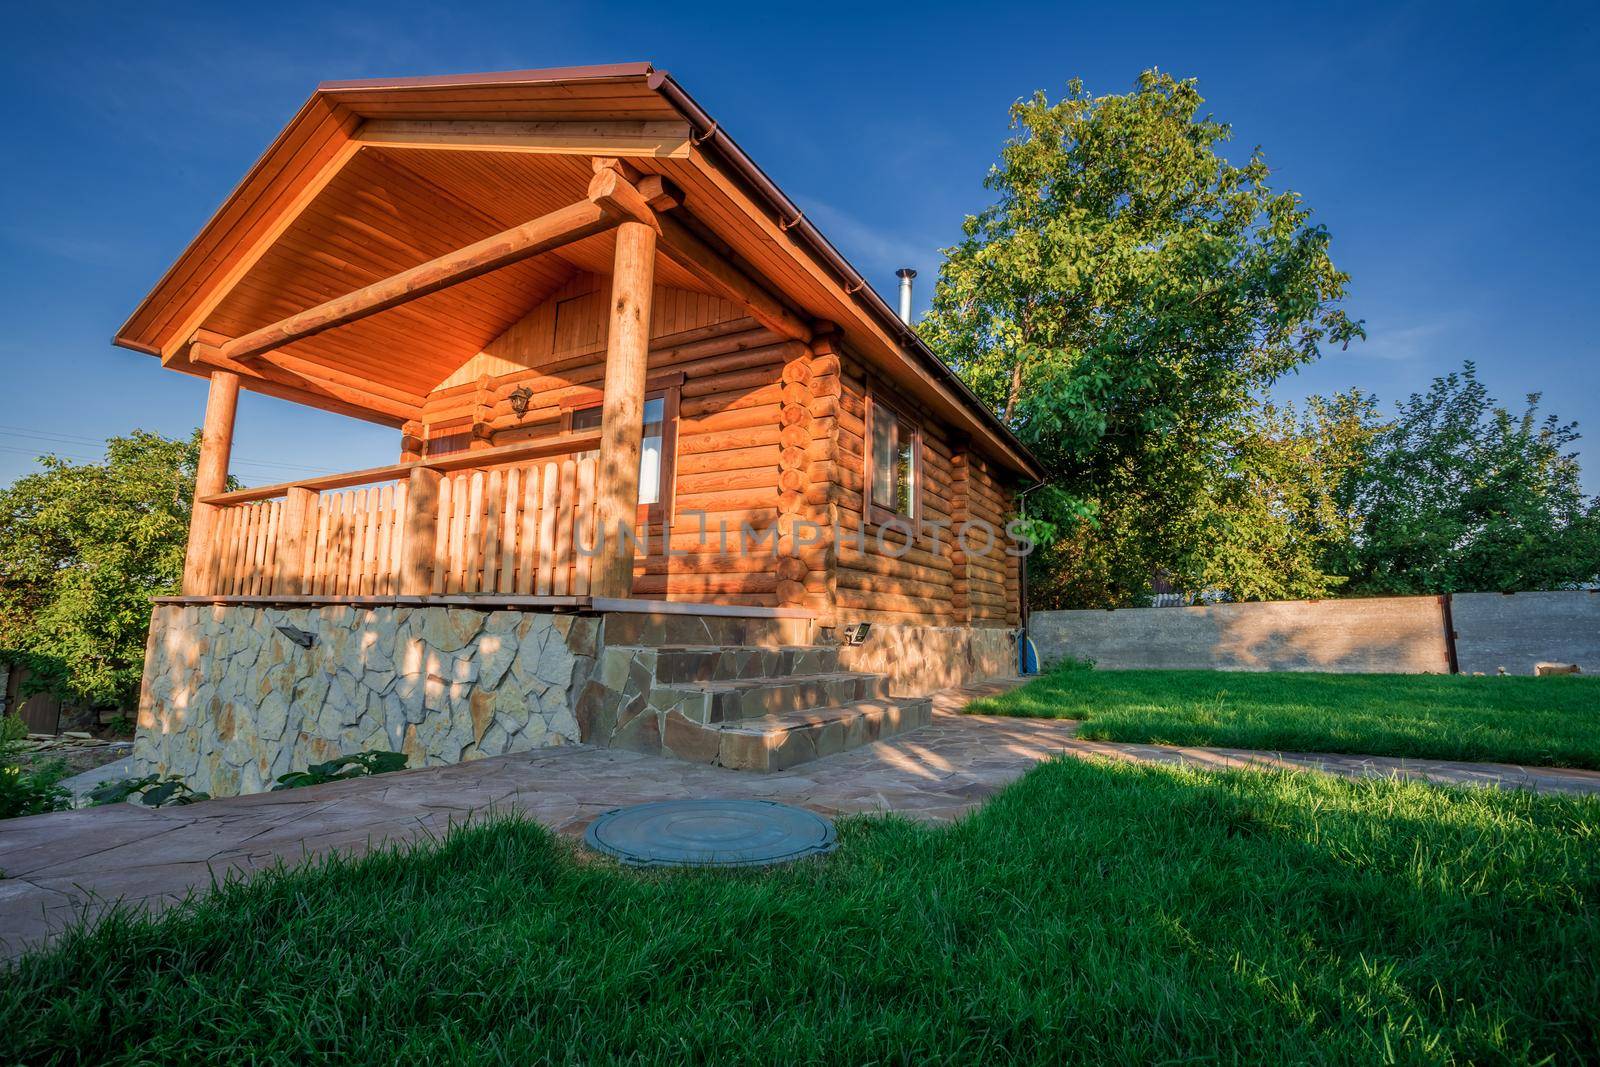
{"x": 388, "y": 209}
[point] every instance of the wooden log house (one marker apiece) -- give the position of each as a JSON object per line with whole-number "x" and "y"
{"x": 585, "y": 311}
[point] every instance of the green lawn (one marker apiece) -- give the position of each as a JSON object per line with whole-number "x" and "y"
{"x": 1090, "y": 913}
{"x": 1551, "y": 722}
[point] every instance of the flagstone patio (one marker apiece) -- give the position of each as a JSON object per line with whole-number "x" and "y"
{"x": 59, "y": 867}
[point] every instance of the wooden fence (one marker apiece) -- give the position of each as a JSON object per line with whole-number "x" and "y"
{"x": 526, "y": 529}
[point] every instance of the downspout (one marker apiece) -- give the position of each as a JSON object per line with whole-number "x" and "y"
{"x": 1022, "y": 570}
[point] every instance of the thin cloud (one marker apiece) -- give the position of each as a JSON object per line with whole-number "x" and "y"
{"x": 1403, "y": 343}
{"x": 864, "y": 244}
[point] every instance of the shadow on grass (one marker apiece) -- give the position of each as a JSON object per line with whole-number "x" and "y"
{"x": 1089, "y": 912}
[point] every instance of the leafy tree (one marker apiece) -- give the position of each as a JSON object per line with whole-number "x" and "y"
{"x": 1123, "y": 304}
{"x": 83, "y": 548}
{"x": 1282, "y": 509}
{"x": 1462, "y": 495}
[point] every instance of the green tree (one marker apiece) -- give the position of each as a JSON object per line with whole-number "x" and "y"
{"x": 1123, "y": 305}
{"x": 1462, "y": 495}
{"x": 1281, "y": 513}
{"x": 83, "y": 548}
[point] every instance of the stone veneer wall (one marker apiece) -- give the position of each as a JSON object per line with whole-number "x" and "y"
{"x": 923, "y": 659}
{"x": 229, "y": 703}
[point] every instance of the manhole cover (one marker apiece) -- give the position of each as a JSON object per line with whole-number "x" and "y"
{"x": 710, "y": 833}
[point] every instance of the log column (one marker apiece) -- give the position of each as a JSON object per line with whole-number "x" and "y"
{"x": 211, "y": 478}
{"x": 622, "y": 409}
{"x": 421, "y": 536}
{"x": 294, "y": 530}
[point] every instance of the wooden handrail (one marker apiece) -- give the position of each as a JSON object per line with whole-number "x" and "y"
{"x": 557, "y": 445}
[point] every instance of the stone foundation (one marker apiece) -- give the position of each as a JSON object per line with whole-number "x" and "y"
{"x": 230, "y": 703}
{"x": 923, "y": 659}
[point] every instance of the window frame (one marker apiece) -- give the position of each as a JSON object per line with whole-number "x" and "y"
{"x": 883, "y": 513}
{"x": 667, "y": 388}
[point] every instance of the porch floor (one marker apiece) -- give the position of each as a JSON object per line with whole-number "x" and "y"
{"x": 58, "y": 867}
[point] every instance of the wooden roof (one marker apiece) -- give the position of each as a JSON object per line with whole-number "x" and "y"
{"x": 361, "y": 185}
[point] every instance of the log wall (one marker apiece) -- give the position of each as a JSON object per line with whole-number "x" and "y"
{"x": 770, "y": 433}
{"x": 933, "y": 581}
{"x": 728, "y": 460}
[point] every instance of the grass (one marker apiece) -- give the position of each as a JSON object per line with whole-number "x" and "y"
{"x": 1089, "y": 913}
{"x": 1552, "y": 722}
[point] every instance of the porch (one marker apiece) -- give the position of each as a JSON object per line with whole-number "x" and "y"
{"x": 516, "y": 508}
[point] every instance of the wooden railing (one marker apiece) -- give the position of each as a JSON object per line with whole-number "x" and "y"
{"x": 511, "y": 521}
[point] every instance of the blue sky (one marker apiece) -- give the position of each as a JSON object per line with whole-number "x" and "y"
{"x": 1451, "y": 149}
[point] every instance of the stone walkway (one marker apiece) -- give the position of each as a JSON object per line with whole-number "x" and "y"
{"x": 57, "y": 868}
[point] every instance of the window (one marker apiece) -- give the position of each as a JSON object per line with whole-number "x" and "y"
{"x": 651, "y": 444}
{"x": 894, "y": 461}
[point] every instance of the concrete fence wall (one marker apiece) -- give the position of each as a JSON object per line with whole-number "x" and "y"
{"x": 1401, "y": 635}
{"x": 1515, "y": 631}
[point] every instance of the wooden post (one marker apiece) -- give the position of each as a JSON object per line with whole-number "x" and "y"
{"x": 411, "y": 441}
{"x": 422, "y": 515}
{"x": 622, "y": 408}
{"x": 211, "y": 478}
{"x": 299, "y": 509}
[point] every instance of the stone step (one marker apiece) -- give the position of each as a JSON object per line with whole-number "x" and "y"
{"x": 664, "y": 628}
{"x": 753, "y": 698}
{"x": 684, "y": 664}
{"x": 777, "y": 742}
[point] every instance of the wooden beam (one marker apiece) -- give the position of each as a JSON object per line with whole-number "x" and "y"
{"x": 620, "y": 138}
{"x": 211, "y": 477}
{"x": 611, "y": 189}
{"x": 699, "y": 259}
{"x": 558, "y": 228}
{"x": 622, "y": 410}
{"x": 273, "y": 373}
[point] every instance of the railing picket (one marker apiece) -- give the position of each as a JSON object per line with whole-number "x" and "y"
{"x": 247, "y": 555}
{"x": 563, "y": 554}
{"x": 354, "y": 543}
{"x": 458, "y": 535}
{"x": 385, "y": 534}
{"x": 339, "y": 548}
{"x": 472, "y": 566}
{"x": 547, "y": 528}
{"x": 528, "y": 539}
{"x": 493, "y": 504}
{"x": 269, "y": 553}
{"x": 397, "y": 547}
{"x": 319, "y": 568}
{"x": 227, "y": 525}
{"x": 227, "y": 522}
{"x": 441, "y": 540}
{"x": 508, "y": 532}
{"x": 585, "y": 527}
{"x": 369, "y": 547}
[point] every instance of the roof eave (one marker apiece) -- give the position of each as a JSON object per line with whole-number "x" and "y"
{"x": 710, "y": 134}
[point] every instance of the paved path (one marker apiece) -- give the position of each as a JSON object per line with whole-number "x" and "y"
{"x": 61, "y": 866}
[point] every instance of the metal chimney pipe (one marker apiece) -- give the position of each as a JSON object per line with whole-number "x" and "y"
{"x": 905, "y": 274}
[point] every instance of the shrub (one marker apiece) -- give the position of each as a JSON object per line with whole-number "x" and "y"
{"x": 27, "y": 790}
